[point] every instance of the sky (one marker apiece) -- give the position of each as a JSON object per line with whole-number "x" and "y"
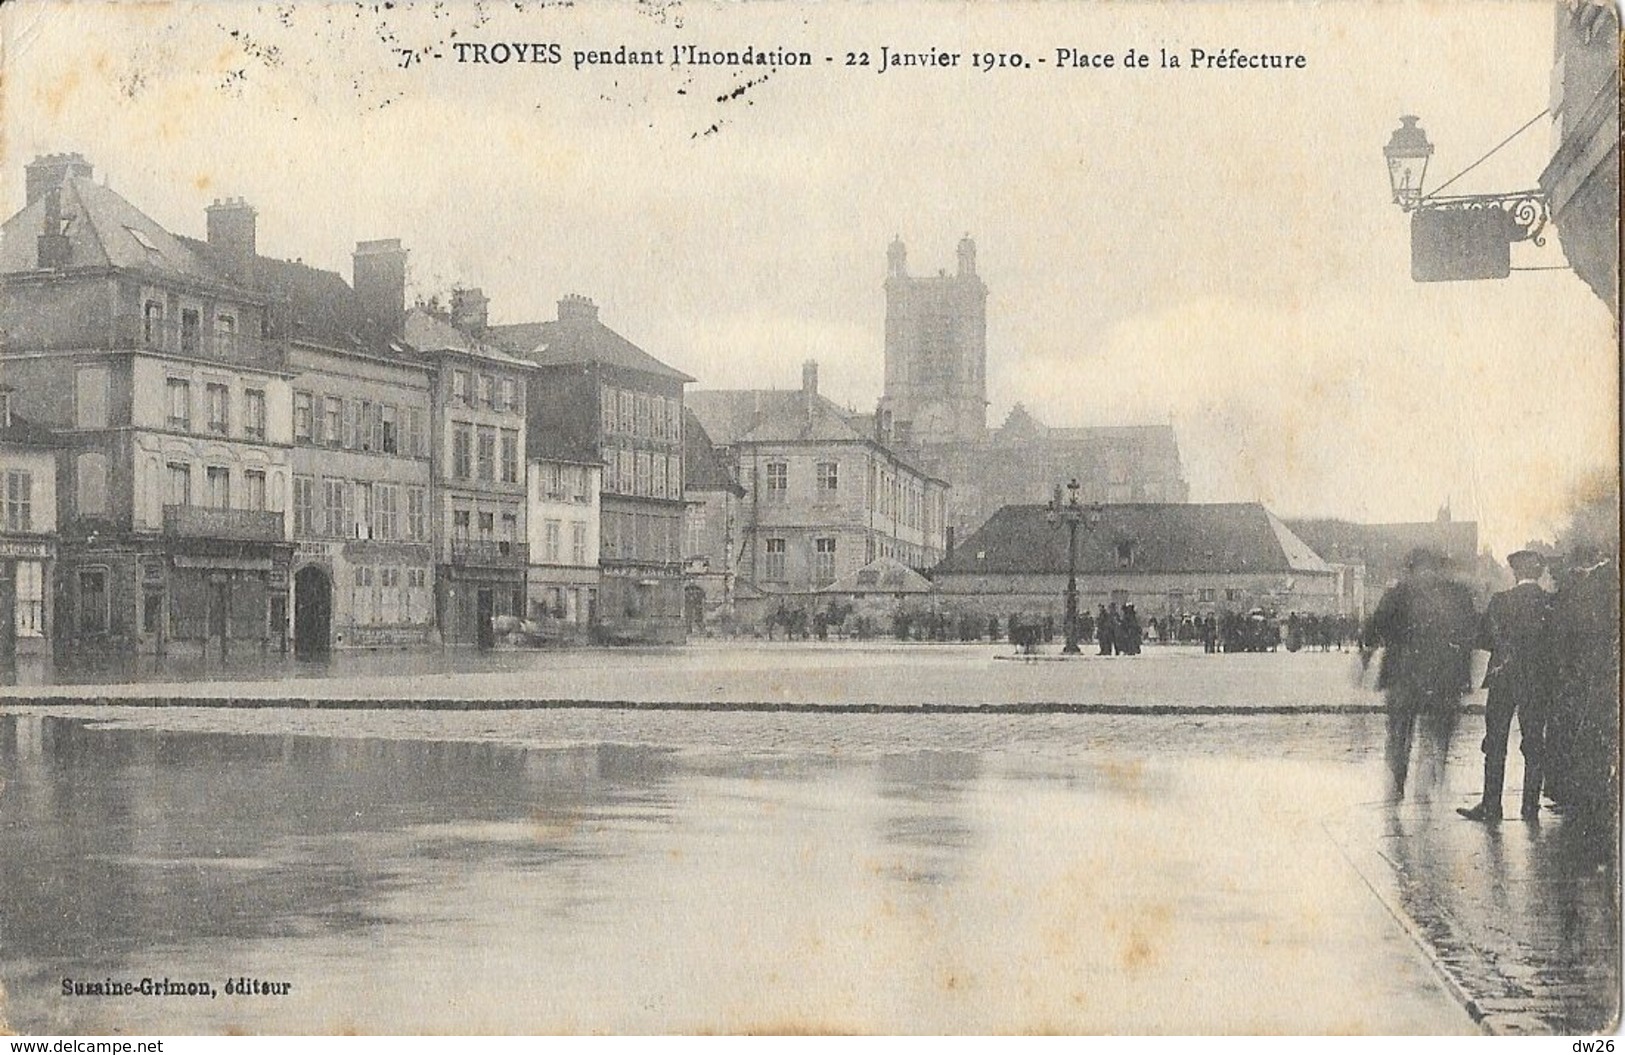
{"x": 1215, "y": 248}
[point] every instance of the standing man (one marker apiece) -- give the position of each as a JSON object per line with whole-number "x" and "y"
{"x": 1426, "y": 626}
{"x": 1515, "y": 632}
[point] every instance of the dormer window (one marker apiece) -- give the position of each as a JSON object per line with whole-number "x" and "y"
{"x": 1125, "y": 554}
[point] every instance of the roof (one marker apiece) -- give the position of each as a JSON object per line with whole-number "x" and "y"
{"x": 323, "y": 308}
{"x": 428, "y": 332}
{"x": 885, "y": 575}
{"x": 703, "y": 466}
{"x": 566, "y": 342}
{"x": 103, "y": 230}
{"x": 1222, "y": 538}
{"x": 24, "y": 433}
{"x": 771, "y": 416}
{"x": 1385, "y": 546}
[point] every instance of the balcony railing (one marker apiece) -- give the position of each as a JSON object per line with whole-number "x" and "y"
{"x": 241, "y": 525}
{"x": 168, "y": 335}
{"x": 489, "y": 553}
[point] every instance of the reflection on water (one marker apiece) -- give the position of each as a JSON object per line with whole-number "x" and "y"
{"x": 568, "y": 872}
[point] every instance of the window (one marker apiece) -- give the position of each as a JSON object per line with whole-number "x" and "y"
{"x": 829, "y": 478}
{"x": 462, "y": 442}
{"x": 487, "y": 453}
{"x": 510, "y": 456}
{"x": 488, "y": 527}
{"x": 641, "y": 482}
{"x": 628, "y": 412}
{"x": 823, "y": 561}
{"x": 225, "y": 332}
{"x": 303, "y": 420}
{"x": 459, "y": 386}
{"x": 1125, "y": 554}
{"x": 460, "y": 524}
{"x": 180, "y": 484}
{"x": 553, "y": 482}
{"x": 778, "y": 481}
{"x": 190, "y": 329}
{"x": 304, "y": 506}
{"x": 180, "y": 404}
{"x": 510, "y": 532}
{"x": 253, "y": 489}
{"x": 217, "y": 405}
{"x": 217, "y": 487}
{"x": 420, "y": 434}
{"x": 93, "y": 610}
{"x": 606, "y": 408}
{"x": 334, "y": 495}
{"x": 388, "y": 436}
{"x": 332, "y": 422}
{"x": 510, "y": 394}
{"x": 640, "y": 418}
{"x": 674, "y": 476}
{"x": 18, "y": 501}
{"x": 488, "y": 391}
{"x": 578, "y": 543}
{"x": 694, "y": 525}
{"x": 580, "y": 484}
{"x": 657, "y": 472}
{"x": 90, "y": 397}
{"x": 254, "y": 413}
{"x": 1232, "y": 594}
{"x": 552, "y": 542}
{"x": 366, "y": 424}
{"x": 624, "y": 474}
{"x": 364, "y": 493}
{"x": 386, "y": 519}
{"x": 30, "y": 620}
{"x": 774, "y": 572}
{"x": 417, "y": 514}
{"x": 152, "y": 324}
{"x": 389, "y": 594}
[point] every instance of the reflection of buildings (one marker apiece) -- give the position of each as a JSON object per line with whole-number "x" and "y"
{"x": 27, "y": 533}
{"x": 597, "y": 397}
{"x": 164, "y": 370}
{"x": 822, "y": 497}
{"x": 934, "y": 410}
{"x": 1166, "y": 559}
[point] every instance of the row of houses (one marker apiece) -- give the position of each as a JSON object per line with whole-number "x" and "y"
{"x": 206, "y": 450}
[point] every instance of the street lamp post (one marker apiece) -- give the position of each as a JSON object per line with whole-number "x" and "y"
{"x": 1072, "y": 512}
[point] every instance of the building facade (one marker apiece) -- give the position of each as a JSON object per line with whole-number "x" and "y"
{"x": 822, "y": 499}
{"x": 1168, "y": 560}
{"x": 27, "y": 537}
{"x": 597, "y": 397}
{"x": 712, "y": 540}
{"x": 934, "y": 411}
{"x": 477, "y": 439}
{"x": 564, "y": 518}
{"x": 161, "y": 372}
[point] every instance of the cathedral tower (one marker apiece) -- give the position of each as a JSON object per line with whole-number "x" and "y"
{"x": 936, "y": 350}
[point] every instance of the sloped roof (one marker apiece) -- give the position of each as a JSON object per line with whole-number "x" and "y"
{"x": 885, "y": 575}
{"x": 1226, "y": 537}
{"x": 103, "y": 230}
{"x": 427, "y": 332}
{"x": 703, "y": 467}
{"x": 564, "y": 342}
{"x": 770, "y": 416}
{"x": 1385, "y": 546}
{"x": 24, "y": 433}
{"x": 323, "y": 307}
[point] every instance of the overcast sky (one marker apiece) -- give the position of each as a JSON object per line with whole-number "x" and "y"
{"x": 1212, "y": 247}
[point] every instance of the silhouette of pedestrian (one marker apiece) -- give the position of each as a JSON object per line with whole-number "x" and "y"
{"x": 1426, "y": 626}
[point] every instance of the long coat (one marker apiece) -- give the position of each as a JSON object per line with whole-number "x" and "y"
{"x": 1517, "y": 634}
{"x": 1426, "y": 627}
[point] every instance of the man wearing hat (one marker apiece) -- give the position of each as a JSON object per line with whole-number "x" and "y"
{"x": 1515, "y": 632}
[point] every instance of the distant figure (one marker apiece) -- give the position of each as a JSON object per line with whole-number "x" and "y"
{"x": 1210, "y": 634}
{"x": 1515, "y": 632}
{"x": 1128, "y": 632}
{"x": 1426, "y": 626}
{"x": 1106, "y": 627}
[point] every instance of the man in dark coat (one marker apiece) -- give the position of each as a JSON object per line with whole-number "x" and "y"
{"x": 1516, "y": 633}
{"x": 1426, "y": 626}
{"x": 1106, "y": 627}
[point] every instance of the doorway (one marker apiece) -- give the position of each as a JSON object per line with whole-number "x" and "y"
{"x": 484, "y": 618}
{"x": 312, "y": 612}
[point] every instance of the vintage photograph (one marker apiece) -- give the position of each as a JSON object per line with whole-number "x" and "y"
{"x": 783, "y": 518}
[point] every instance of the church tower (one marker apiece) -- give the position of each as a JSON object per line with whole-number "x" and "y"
{"x": 936, "y": 351}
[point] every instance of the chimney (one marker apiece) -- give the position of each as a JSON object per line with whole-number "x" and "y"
{"x": 470, "y": 310}
{"x": 576, "y": 308}
{"x": 967, "y": 256}
{"x": 46, "y": 173}
{"x": 55, "y": 251}
{"x": 231, "y": 237}
{"x": 380, "y": 283}
{"x": 809, "y": 378}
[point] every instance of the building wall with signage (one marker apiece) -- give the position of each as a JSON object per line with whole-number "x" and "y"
{"x": 28, "y": 522}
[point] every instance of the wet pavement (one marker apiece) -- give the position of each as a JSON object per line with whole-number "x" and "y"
{"x": 605, "y": 870}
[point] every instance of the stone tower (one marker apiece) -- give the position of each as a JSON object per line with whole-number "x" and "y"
{"x": 936, "y": 351}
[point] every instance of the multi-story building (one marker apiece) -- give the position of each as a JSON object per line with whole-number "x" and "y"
{"x": 564, "y": 520}
{"x": 822, "y": 498}
{"x": 27, "y": 535}
{"x": 598, "y": 397}
{"x": 711, "y": 530}
{"x": 477, "y": 439}
{"x": 160, "y": 370}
